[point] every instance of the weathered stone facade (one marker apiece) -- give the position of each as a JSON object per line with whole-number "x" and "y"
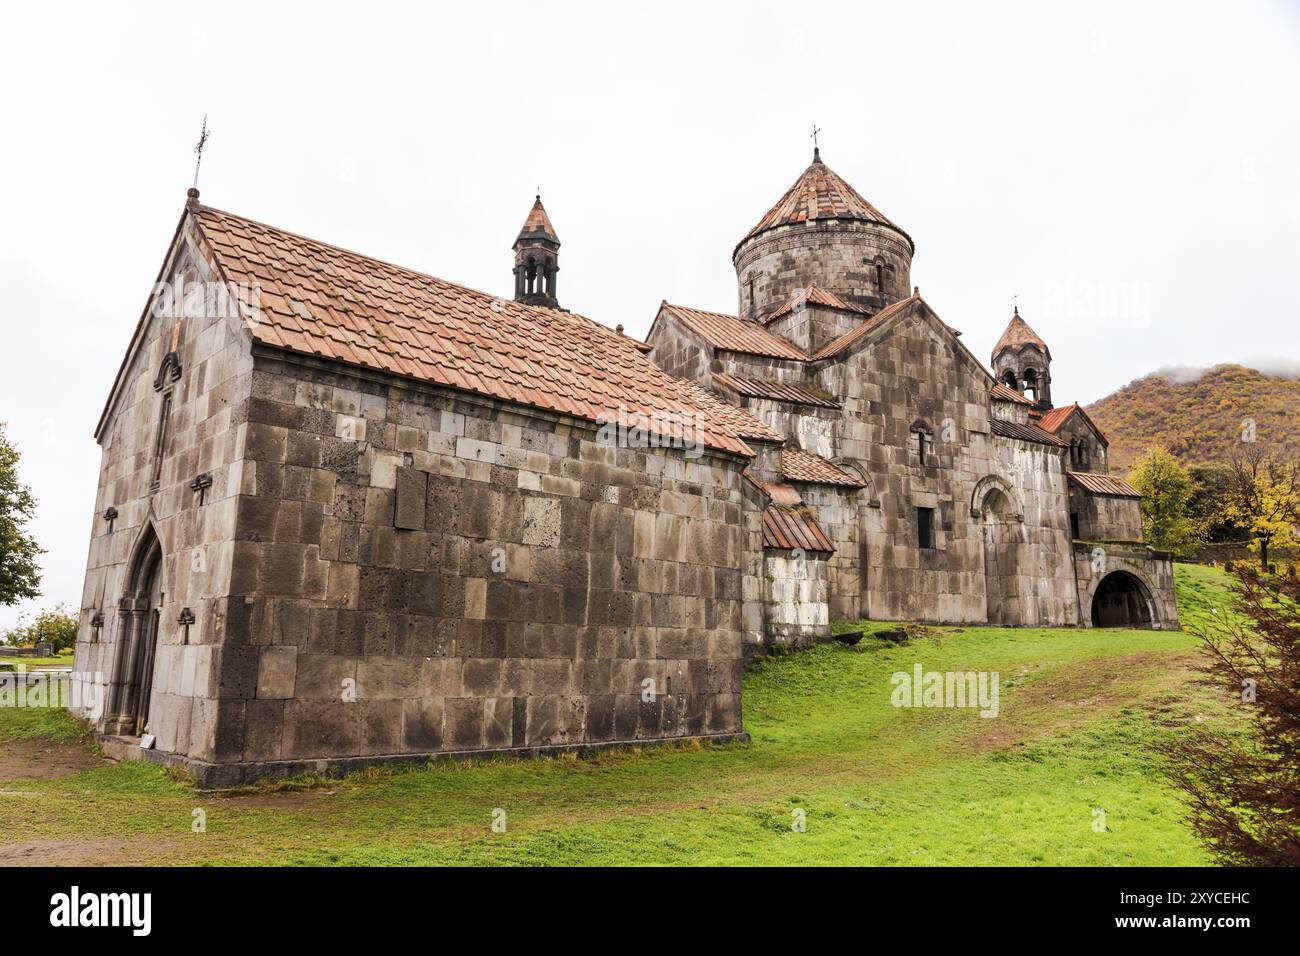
{"x": 964, "y": 502}
{"x": 359, "y": 514}
{"x": 386, "y": 569}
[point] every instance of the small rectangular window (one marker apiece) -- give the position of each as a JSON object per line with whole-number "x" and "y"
{"x": 925, "y": 527}
{"x": 1074, "y": 525}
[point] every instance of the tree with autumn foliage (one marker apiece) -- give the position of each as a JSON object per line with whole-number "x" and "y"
{"x": 1166, "y": 490}
{"x": 1264, "y": 497}
{"x": 1242, "y": 780}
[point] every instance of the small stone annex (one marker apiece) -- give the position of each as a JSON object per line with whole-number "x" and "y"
{"x": 348, "y": 512}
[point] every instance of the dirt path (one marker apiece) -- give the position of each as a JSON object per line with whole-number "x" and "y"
{"x": 45, "y": 760}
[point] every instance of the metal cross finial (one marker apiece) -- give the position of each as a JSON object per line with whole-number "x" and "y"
{"x": 198, "y": 150}
{"x": 1015, "y": 303}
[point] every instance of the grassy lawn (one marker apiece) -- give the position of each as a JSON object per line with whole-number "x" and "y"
{"x": 876, "y": 784}
{"x": 63, "y": 659}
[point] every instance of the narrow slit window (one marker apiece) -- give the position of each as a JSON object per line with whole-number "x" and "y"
{"x": 160, "y": 441}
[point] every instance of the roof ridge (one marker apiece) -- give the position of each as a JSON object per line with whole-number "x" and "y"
{"x": 391, "y": 265}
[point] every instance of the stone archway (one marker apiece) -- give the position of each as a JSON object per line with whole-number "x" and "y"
{"x": 995, "y": 506}
{"x": 137, "y": 643}
{"x": 1122, "y": 599}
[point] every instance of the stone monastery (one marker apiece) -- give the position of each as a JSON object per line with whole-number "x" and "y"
{"x": 349, "y": 513}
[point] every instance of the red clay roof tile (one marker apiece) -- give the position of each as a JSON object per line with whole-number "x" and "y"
{"x": 1103, "y": 484}
{"x": 1004, "y": 393}
{"x": 775, "y": 391}
{"x": 799, "y": 465}
{"x": 788, "y": 528}
{"x": 1024, "y": 432}
{"x": 819, "y": 193}
{"x": 732, "y": 333}
{"x": 815, "y": 295}
{"x": 384, "y": 317}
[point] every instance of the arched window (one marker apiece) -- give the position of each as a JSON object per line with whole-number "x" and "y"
{"x": 1010, "y": 381}
{"x": 1031, "y": 383}
{"x": 168, "y": 373}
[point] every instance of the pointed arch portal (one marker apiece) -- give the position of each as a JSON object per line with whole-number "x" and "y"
{"x": 137, "y": 643}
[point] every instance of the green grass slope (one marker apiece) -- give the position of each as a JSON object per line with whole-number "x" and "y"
{"x": 1061, "y": 776}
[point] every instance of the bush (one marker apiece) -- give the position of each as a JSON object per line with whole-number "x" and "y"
{"x": 1243, "y": 791}
{"x": 55, "y": 626}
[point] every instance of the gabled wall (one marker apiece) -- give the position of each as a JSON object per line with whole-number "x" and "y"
{"x": 913, "y": 370}
{"x": 205, "y": 433}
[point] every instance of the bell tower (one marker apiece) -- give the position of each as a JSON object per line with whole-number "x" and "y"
{"x": 1022, "y": 361}
{"x": 537, "y": 258}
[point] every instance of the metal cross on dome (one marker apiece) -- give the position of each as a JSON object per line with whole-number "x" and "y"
{"x": 198, "y": 150}
{"x": 816, "y": 129}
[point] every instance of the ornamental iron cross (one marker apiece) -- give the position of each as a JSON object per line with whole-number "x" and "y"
{"x": 198, "y": 150}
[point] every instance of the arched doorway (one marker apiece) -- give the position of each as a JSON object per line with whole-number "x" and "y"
{"x": 139, "y": 610}
{"x": 1121, "y": 600}
{"x": 1003, "y": 557}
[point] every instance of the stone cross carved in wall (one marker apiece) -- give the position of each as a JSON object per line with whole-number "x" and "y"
{"x": 110, "y": 515}
{"x": 185, "y": 619}
{"x": 201, "y": 484}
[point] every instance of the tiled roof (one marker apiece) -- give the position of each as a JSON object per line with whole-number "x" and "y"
{"x": 788, "y": 528}
{"x": 1004, "y": 394}
{"x": 1018, "y": 334}
{"x": 815, "y": 295}
{"x": 1104, "y": 484}
{"x": 320, "y": 300}
{"x": 821, "y": 194}
{"x": 733, "y": 333}
{"x": 1024, "y": 432}
{"x": 538, "y": 223}
{"x": 776, "y": 391}
{"x": 799, "y": 465}
{"x": 1052, "y": 420}
{"x": 853, "y": 335}
{"x": 787, "y": 521}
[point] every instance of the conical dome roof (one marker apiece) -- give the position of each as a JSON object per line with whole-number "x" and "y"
{"x": 538, "y": 224}
{"x": 1018, "y": 334}
{"x": 820, "y": 193}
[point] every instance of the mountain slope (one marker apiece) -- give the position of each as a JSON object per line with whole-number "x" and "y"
{"x": 1198, "y": 414}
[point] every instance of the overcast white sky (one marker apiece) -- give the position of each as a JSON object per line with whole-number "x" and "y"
{"x": 1130, "y": 169}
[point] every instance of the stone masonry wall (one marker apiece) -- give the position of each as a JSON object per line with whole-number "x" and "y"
{"x": 1076, "y": 428}
{"x": 203, "y": 436}
{"x": 917, "y": 372}
{"x": 837, "y": 256}
{"x": 1153, "y": 569}
{"x": 795, "y": 593}
{"x": 1106, "y": 518}
{"x": 538, "y": 579}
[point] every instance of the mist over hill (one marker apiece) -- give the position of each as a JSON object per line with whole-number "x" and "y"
{"x": 1199, "y": 414}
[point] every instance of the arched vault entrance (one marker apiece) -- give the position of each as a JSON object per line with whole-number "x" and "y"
{"x": 995, "y": 506}
{"x": 137, "y": 643}
{"x": 1122, "y": 600}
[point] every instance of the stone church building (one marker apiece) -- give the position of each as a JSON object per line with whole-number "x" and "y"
{"x": 348, "y": 512}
